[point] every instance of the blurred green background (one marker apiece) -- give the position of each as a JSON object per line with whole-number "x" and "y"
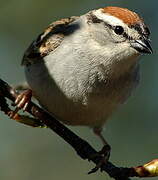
{"x": 28, "y": 153}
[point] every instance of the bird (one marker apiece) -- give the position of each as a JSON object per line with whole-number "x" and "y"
{"x": 82, "y": 68}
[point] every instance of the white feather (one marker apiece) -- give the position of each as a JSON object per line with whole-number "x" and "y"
{"x": 108, "y": 18}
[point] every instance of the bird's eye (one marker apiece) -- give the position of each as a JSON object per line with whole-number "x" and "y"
{"x": 119, "y": 30}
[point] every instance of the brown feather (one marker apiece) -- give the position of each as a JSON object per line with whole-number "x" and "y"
{"x": 47, "y": 41}
{"x": 127, "y": 16}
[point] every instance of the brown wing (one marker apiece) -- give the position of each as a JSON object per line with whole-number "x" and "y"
{"x": 47, "y": 41}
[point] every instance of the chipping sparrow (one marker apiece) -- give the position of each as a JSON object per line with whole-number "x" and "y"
{"x": 81, "y": 69}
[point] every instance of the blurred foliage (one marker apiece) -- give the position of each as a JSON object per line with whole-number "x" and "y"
{"x": 29, "y": 153}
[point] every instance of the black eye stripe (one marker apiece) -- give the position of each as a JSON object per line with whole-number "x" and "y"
{"x": 142, "y": 29}
{"x": 124, "y": 34}
{"x": 108, "y": 25}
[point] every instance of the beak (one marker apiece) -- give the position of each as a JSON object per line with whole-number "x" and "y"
{"x": 142, "y": 46}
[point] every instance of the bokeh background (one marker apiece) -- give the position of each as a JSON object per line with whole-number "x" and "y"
{"x": 29, "y": 153}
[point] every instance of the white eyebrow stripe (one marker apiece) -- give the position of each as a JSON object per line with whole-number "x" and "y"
{"x": 112, "y": 20}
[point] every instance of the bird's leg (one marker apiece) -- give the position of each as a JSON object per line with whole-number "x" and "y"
{"x": 106, "y": 148}
{"x": 105, "y": 151}
{"x": 22, "y": 102}
{"x": 98, "y": 132}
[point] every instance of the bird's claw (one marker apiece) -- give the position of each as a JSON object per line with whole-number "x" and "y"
{"x": 105, "y": 153}
{"x": 23, "y": 99}
{"x": 21, "y": 102}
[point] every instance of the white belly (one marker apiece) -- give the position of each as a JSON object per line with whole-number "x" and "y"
{"x": 72, "y": 100}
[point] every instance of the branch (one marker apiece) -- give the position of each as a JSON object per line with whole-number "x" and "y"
{"x": 83, "y": 149}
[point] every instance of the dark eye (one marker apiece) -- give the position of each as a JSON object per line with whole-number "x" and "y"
{"x": 119, "y": 30}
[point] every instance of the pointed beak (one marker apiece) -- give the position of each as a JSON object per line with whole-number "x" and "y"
{"x": 142, "y": 46}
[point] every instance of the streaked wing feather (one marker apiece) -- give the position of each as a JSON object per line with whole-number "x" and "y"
{"x": 47, "y": 41}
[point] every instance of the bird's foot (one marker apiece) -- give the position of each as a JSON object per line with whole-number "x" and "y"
{"x": 23, "y": 99}
{"x": 105, "y": 153}
{"x": 22, "y": 102}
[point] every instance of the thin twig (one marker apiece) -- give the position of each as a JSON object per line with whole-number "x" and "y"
{"x": 83, "y": 149}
